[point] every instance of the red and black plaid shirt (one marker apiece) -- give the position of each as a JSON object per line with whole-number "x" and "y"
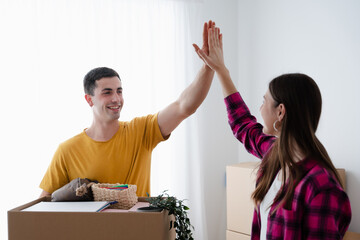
{"x": 320, "y": 208}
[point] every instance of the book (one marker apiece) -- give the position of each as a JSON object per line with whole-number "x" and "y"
{"x": 80, "y": 206}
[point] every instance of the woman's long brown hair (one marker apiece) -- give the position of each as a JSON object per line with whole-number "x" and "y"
{"x": 302, "y": 100}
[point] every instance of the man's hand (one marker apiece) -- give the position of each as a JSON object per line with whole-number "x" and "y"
{"x": 215, "y": 57}
{"x": 45, "y": 194}
{"x": 205, "y": 46}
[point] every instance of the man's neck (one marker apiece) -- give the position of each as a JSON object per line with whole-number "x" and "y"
{"x": 102, "y": 131}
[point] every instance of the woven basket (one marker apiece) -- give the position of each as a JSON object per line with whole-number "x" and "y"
{"x": 126, "y": 198}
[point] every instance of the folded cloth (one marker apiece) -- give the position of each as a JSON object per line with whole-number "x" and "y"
{"x": 78, "y": 189}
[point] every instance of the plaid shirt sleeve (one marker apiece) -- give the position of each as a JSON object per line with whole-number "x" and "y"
{"x": 245, "y": 127}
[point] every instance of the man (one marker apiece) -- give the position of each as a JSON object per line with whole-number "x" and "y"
{"x": 112, "y": 151}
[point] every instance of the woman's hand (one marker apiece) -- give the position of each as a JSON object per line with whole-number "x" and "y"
{"x": 212, "y": 53}
{"x": 213, "y": 56}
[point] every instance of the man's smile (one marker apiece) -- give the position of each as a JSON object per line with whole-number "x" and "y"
{"x": 114, "y": 108}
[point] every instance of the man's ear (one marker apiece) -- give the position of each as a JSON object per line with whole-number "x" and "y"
{"x": 88, "y": 98}
{"x": 281, "y": 112}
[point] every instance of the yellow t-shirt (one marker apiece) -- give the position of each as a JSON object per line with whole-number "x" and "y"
{"x": 125, "y": 158}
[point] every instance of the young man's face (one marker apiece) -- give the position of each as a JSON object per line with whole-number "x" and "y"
{"x": 108, "y": 100}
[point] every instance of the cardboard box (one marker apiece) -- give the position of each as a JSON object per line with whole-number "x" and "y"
{"x": 230, "y": 235}
{"x": 341, "y": 173}
{"x": 352, "y": 236}
{"x": 240, "y": 184}
{"x": 88, "y": 225}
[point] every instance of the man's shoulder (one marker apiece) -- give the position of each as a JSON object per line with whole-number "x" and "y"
{"x": 150, "y": 118}
{"x": 75, "y": 140}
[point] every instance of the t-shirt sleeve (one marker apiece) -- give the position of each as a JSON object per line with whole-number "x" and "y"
{"x": 56, "y": 175}
{"x": 153, "y": 134}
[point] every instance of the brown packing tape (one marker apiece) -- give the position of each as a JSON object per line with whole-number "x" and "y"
{"x": 342, "y": 176}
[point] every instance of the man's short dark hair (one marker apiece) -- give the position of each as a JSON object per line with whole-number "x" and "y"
{"x": 96, "y": 74}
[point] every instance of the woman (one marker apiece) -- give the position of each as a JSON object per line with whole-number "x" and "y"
{"x": 298, "y": 193}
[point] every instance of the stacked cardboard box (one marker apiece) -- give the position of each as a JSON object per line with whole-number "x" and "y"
{"x": 240, "y": 183}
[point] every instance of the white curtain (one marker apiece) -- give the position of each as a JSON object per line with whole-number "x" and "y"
{"x": 47, "y": 47}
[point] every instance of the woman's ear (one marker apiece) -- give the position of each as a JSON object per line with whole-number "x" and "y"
{"x": 281, "y": 112}
{"x": 89, "y": 100}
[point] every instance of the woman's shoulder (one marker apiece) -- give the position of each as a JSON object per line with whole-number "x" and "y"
{"x": 321, "y": 178}
{"x": 317, "y": 180}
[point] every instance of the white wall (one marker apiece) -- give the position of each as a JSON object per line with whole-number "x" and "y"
{"x": 318, "y": 38}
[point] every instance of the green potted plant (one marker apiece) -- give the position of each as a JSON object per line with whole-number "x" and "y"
{"x": 179, "y": 210}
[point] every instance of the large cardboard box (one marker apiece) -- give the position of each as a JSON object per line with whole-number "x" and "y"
{"x": 240, "y": 184}
{"x": 230, "y": 235}
{"x": 352, "y": 236}
{"x": 88, "y": 225}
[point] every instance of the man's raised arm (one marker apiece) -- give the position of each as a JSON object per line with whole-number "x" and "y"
{"x": 191, "y": 98}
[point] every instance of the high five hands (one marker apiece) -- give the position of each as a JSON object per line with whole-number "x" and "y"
{"x": 212, "y": 50}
